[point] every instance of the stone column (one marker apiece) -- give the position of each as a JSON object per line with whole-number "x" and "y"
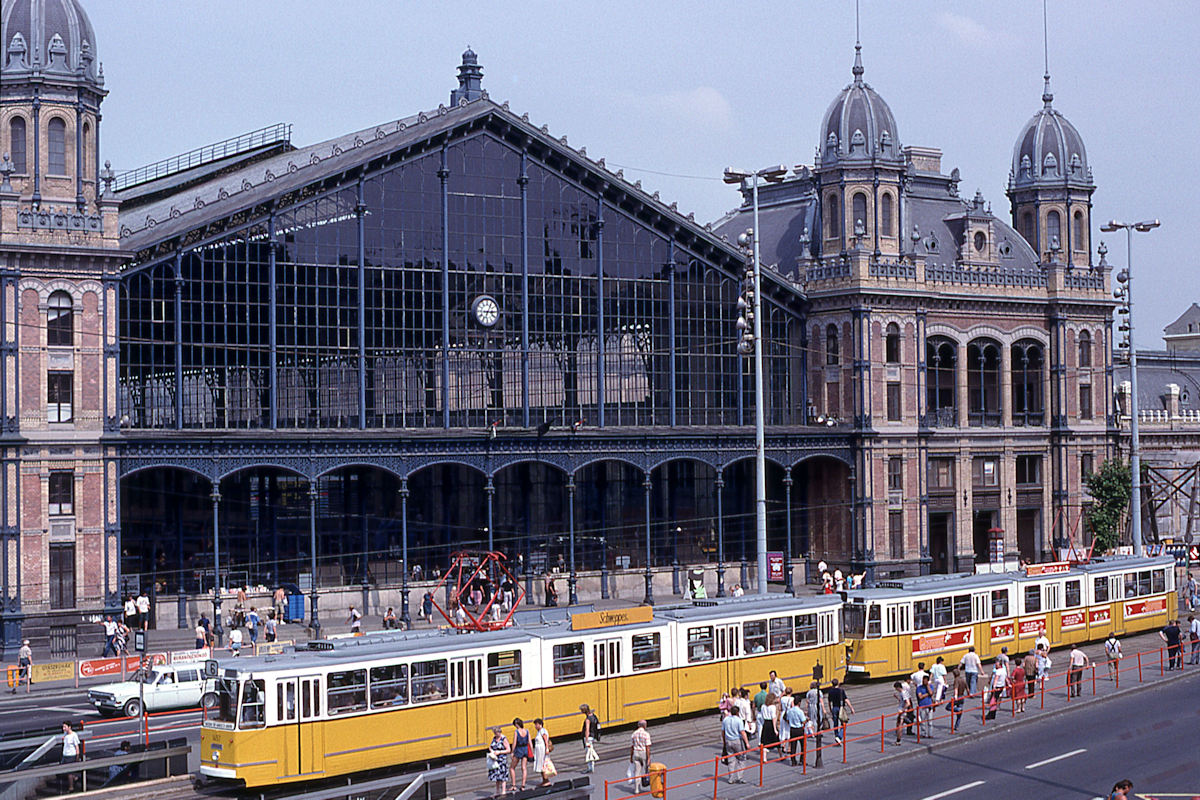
{"x": 960, "y": 384}
{"x": 1006, "y": 384}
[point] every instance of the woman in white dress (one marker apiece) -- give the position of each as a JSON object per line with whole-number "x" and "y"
{"x": 542, "y": 746}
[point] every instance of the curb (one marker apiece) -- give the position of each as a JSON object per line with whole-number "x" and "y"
{"x": 922, "y": 749}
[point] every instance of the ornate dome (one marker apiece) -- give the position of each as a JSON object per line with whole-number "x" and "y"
{"x": 52, "y": 38}
{"x": 1049, "y": 150}
{"x": 858, "y": 124}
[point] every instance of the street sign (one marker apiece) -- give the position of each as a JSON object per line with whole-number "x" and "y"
{"x": 775, "y": 566}
{"x": 139, "y": 641}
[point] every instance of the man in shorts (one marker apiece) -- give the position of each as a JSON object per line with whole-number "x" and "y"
{"x": 733, "y": 732}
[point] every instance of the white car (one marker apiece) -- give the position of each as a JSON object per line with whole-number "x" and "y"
{"x": 164, "y": 687}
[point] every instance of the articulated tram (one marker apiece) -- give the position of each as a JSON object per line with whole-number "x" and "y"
{"x": 889, "y": 629}
{"x": 344, "y": 706}
{"x": 350, "y": 705}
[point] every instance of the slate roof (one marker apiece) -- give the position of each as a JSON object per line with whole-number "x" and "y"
{"x": 1156, "y": 369}
{"x": 1188, "y": 322}
{"x": 786, "y": 210}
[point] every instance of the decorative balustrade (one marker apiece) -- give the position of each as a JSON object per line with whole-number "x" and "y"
{"x": 894, "y": 269}
{"x": 970, "y": 276}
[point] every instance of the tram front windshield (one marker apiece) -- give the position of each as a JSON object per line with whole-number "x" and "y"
{"x": 241, "y": 701}
{"x": 227, "y": 697}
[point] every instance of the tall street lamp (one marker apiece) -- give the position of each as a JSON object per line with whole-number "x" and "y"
{"x": 772, "y": 175}
{"x": 1125, "y": 276}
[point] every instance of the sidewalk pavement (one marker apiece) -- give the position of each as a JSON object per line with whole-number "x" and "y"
{"x": 696, "y": 740}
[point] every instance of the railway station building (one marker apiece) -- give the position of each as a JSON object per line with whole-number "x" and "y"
{"x": 454, "y": 330}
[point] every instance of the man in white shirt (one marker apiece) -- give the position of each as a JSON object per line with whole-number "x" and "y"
{"x": 938, "y": 674}
{"x": 235, "y": 641}
{"x": 971, "y": 666}
{"x": 775, "y": 685}
{"x": 130, "y": 612}
{"x": 143, "y": 610}
{"x": 1112, "y": 649}
{"x": 1194, "y": 636}
{"x": 1042, "y": 641}
{"x": 70, "y": 751}
{"x": 355, "y": 620}
{"x": 110, "y": 637}
{"x": 1078, "y": 660}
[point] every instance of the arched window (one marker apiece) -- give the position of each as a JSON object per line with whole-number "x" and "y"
{"x": 1077, "y": 241}
{"x": 1028, "y": 401}
{"x": 891, "y": 344}
{"x": 60, "y": 324}
{"x": 16, "y": 133}
{"x": 941, "y": 361}
{"x": 1053, "y": 230}
{"x": 860, "y": 214}
{"x": 885, "y": 215}
{"x": 831, "y": 211}
{"x": 1027, "y": 227}
{"x": 88, "y": 169}
{"x": 983, "y": 382}
{"x": 1085, "y": 349}
{"x": 832, "y": 350}
{"x": 56, "y": 132}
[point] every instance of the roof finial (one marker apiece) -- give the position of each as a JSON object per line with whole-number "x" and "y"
{"x": 858, "y": 67}
{"x": 1047, "y": 96}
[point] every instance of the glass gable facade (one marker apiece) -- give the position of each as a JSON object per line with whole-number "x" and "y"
{"x": 354, "y": 308}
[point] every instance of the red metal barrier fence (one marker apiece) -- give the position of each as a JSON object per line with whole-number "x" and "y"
{"x": 710, "y": 770}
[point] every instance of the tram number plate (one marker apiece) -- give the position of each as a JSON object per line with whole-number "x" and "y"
{"x": 944, "y": 640}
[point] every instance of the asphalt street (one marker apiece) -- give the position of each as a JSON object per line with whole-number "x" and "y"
{"x": 1148, "y": 737}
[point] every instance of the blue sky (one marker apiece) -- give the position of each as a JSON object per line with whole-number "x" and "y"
{"x": 688, "y": 88}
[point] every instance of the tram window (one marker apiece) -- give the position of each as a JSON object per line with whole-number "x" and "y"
{"x": 853, "y": 619}
{"x": 429, "y": 679}
{"x": 999, "y": 603}
{"x": 962, "y": 609}
{"x": 873, "y": 621}
{"x": 922, "y": 615}
{"x": 389, "y": 686}
{"x": 254, "y": 700}
{"x": 1144, "y": 582}
{"x": 781, "y": 633}
{"x": 1033, "y": 598}
{"x": 943, "y": 612}
{"x": 1100, "y": 587}
{"x": 504, "y": 670}
{"x": 754, "y": 636}
{"x": 806, "y": 629}
{"x": 568, "y": 662}
{"x": 647, "y": 651}
{"x": 827, "y": 634}
{"x": 227, "y": 692}
{"x": 700, "y": 644}
{"x": 1158, "y": 581}
{"x": 1131, "y": 584}
{"x": 347, "y": 691}
{"x": 1073, "y": 594}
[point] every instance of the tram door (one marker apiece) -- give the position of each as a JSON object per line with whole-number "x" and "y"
{"x": 900, "y": 621}
{"x": 287, "y": 718}
{"x": 727, "y": 653}
{"x": 311, "y": 733}
{"x": 606, "y": 663}
{"x": 466, "y": 682}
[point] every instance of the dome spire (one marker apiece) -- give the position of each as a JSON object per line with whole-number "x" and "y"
{"x": 1047, "y": 95}
{"x": 858, "y": 67}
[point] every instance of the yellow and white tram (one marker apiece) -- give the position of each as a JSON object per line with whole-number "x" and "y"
{"x": 889, "y": 629}
{"x": 386, "y": 699}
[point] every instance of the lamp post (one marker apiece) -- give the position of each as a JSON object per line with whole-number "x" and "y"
{"x": 1125, "y": 276}
{"x": 753, "y": 307}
